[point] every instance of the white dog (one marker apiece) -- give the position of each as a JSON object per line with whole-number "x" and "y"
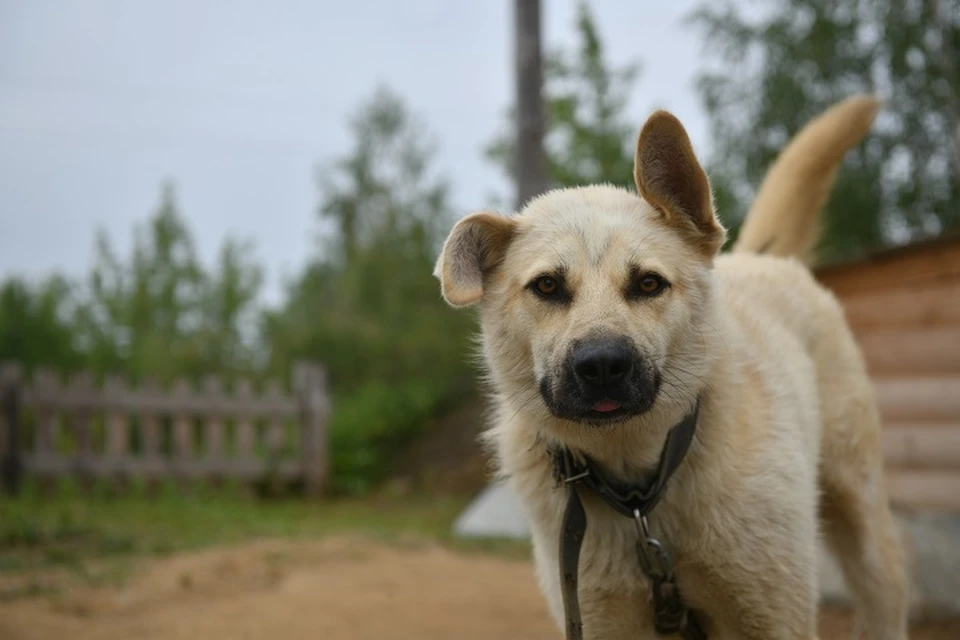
{"x": 628, "y": 358}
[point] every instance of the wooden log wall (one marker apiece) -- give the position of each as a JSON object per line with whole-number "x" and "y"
{"x": 904, "y": 308}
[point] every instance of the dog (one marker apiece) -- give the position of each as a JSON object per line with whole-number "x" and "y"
{"x": 607, "y": 317}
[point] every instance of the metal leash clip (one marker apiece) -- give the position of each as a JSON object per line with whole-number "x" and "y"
{"x": 669, "y": 612}
{"x": 653, "y": 558}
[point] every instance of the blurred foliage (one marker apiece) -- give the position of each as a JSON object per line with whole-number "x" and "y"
{"x": 35, "y": 329}
{"x": 589, "y": 138}
{"x": 367, "y": 305}
{"x": 373, "y": 422}
{"x": 776, "y": 64}
{"x": 158, "y": 312}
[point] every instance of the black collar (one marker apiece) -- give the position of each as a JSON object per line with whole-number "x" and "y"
{"x": 632, "y": 501}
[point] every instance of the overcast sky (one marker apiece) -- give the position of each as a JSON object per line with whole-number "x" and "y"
{"x": 101, "y": 100}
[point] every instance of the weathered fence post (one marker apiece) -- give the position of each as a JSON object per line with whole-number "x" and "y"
{"x": 87, "y": 398}
{"x": 310, "y": 384}
{"x": 10, "y": 449}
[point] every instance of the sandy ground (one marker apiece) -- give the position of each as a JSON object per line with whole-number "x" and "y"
{"x": 336, "y": 589}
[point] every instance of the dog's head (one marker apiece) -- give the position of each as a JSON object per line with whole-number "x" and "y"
{"x": 593, "y": 298}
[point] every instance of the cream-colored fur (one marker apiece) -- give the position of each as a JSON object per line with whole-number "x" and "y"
{"x": 788, "y": 426}
{"x": 783, "y": 218}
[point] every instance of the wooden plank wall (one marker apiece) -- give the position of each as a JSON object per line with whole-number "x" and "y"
{"x": 74, "y": 427}
{"x": 904, "y": 308}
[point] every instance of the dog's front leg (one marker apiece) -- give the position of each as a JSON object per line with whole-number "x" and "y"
{"x": 768, "y": 594}
{"x": 615, "y": 615}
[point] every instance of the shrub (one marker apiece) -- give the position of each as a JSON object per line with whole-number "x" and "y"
{"x": 373, "y": 422}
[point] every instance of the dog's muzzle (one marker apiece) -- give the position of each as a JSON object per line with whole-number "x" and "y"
{"x": 603, "y": 380}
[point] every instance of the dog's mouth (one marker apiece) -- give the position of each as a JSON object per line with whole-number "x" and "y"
{"x": 571, "y": 404}
{"x": 612, "y": 412}
{"x": 607, "y": 406}
{"x": 608, "y": 411}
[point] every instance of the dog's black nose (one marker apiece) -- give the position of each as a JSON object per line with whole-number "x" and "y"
{"x": 602, "y": 365}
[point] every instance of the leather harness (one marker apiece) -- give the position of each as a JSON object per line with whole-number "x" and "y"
{"x": 671, "y": 614}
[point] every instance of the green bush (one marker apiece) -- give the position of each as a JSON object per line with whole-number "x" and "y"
{"x": 373, "y": 422}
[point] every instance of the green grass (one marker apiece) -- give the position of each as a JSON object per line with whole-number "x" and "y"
{"x": 92, "y": 535}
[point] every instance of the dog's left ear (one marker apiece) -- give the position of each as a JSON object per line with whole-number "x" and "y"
{"x": 670, "y": 178}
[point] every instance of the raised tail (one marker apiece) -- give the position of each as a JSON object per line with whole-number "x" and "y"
{"x": 784, "y": 219}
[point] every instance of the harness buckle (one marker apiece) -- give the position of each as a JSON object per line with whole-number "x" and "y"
{"x": 669, "y": 610}
{"x": 652, "y": 556}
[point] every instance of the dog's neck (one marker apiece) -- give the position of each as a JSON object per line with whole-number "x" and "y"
{"x": 628, "y": 450}
{"x": 631, "y": 449}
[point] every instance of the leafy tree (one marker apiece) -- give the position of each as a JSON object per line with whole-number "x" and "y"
{"x": 159, "y": 313}
{"x": 230, "y": 310}
{"x": 588, "y": 139}
{"x": 367, "y": 305}
{"x": 35, "y": 326}
{"x": 787, "y": 60}
{"x": 386, "y": 187}
{"x": 141, "y": 309}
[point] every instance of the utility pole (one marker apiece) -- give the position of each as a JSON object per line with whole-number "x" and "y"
{"x": 531, "y": 163}
{"x": 948, "y": 56}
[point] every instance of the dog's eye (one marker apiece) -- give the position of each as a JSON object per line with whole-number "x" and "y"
{"x": 549, "y": 288}
{"x": 546, "y": 286}
{"x": 647, "y": 285}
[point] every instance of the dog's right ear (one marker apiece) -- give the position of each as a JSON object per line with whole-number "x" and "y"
{"x": 475, "y": 245}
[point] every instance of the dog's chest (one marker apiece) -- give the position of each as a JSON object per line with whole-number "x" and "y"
{"x": 609, "y": 564}
{"x": 614, "y": 589}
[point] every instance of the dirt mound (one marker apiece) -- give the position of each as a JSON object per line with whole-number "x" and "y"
{"x": 337, "y": 589}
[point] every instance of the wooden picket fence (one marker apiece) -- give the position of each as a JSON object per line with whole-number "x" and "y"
{"x": 51, "y": 427}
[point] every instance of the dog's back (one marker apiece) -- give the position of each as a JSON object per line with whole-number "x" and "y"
{"x": 764, "y": 279}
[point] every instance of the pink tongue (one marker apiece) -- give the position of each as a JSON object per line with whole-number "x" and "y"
{"x": 606, "y": 405}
